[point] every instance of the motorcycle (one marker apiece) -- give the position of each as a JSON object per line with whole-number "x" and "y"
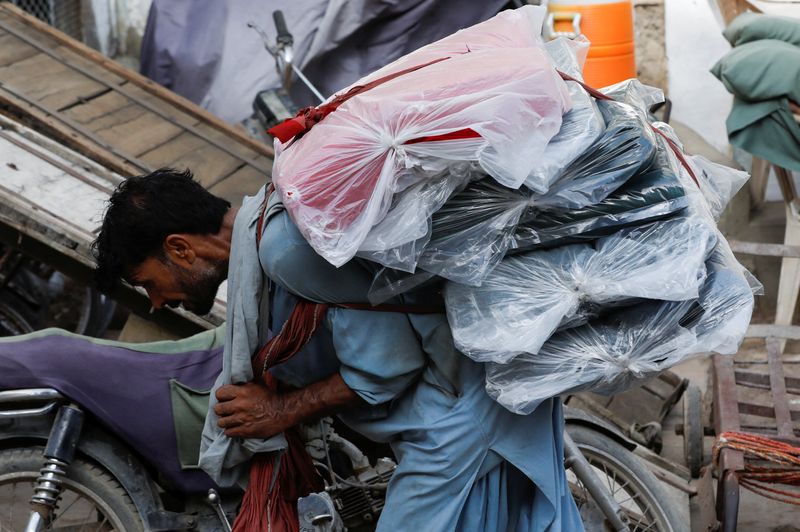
{"x": 28, "y": 290}
{"x": 84, "y": 454}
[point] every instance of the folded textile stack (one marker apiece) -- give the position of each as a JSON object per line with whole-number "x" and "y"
{"x": 578, "y": 243}
{"x": 622, "y": 348}
{"x": 762, "y": 71}
{"x": 528, "y": 297}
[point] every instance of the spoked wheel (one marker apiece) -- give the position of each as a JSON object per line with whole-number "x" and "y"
{"x": 639, "y": 494}
{"x": 13, "y": 320}
{"x": 92, "y": 500}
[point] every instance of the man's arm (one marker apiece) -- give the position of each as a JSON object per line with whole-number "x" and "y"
{"x": 252, "y": 411}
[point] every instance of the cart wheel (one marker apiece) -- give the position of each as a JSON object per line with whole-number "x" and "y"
{"x": 693, "y": 429}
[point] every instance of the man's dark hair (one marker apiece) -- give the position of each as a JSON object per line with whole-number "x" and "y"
{"x": 143, "y": 211}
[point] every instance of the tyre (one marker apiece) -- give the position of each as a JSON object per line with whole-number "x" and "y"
{"x": 634, "y": 487}
{"x": 15, "y": 316}
{"x": 91, "y": 498}
{"x": 693, "y": 429}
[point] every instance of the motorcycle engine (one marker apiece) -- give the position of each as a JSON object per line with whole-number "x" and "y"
{"x": 355, "y": 490}
{"x": 360, "y": 506}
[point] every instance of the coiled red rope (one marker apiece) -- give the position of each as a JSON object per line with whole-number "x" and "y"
{"x": 278, "y": 479}
{"x": 784, "y": 456}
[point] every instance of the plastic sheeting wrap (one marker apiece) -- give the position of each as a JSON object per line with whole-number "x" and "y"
{"x": 626, "y": 147}
{"x": 528, "y": 297}
{"x": 717, "y": 183}
{"x": 469, "y": 100}
{"x": 636, "y": 94}
{"x": 618, "y": 351}
{"x": 650, "y": 281}
{"x": 472, "y": 231}
{"x": 400, "y": 238}
{"x": 625, "y": 345}
{"x": 580, "y": 127}
{"x": 647, "y": 196}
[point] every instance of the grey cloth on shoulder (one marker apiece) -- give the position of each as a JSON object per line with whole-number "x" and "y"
{"x": 226, "y": 460}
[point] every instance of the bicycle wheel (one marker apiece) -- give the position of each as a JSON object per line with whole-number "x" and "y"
{"x": 640, "y": 495}
{"x": 91, "y": 499}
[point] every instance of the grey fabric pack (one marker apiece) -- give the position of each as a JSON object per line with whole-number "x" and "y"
{"x": 226, "y": 460}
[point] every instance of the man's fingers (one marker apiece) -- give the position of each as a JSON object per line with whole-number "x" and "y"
{"x": 236, "y": 432}
{"x": 246, "y": 432}
{"x": 228, "y": 392}
{"x": 229, "y": 421}
{"x": 224, "y": 408}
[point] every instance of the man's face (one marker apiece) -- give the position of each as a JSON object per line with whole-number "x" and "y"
{"x": 171, "y": 284}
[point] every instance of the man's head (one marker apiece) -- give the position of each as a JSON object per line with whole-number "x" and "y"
{"x": 162, "y": 231}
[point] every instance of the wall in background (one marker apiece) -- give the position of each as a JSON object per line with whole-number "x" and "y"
{"x": 651, "y": 55}
{"x": 694, "y": 43}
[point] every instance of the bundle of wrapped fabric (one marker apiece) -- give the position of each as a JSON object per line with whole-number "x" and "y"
{"x": 578, "y": 243}
{"x": 487, "y": 94}
{"x": 623, "y": 348}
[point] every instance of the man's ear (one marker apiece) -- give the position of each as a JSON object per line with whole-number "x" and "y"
{"x": 178, "y": 249}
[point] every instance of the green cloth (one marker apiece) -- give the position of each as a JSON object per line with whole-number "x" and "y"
{"x": 189, "y": 409}
{"x": 763, "y": 76}
{"x": 749, "y": 27}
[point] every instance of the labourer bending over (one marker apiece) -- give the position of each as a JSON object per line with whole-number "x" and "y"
{"x": 465, "y": 463}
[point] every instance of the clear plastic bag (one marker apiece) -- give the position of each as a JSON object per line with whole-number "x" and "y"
{"x": 581, "y": 126}
{"x": 725, "y": 306}
{"x": 718, "y": 183}
{"x": 526, "y": 298}
{"x": 636, "y": 94}
{"x": 337, "y": 181}
{"x": 472, "y": 231}
{"x": 399, "y": 239}
{"x": 713, "y": 185}
{"x": 647, "y": 196}
{"x": 626, "y": 147}
{"x": 626, "y": 346}
{"x": 622, "y": 349}
{"x": 476, "y": 227}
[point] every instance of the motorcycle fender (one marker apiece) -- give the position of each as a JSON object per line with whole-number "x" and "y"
{"x": 103, "y": 448}
{"x": 574, "y": 416}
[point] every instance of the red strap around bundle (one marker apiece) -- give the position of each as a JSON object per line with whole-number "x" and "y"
{"x": 308, "y": 117}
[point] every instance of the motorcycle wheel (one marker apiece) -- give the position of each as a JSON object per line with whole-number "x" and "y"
{"x": 91, "y": 497}
{"x": 642, "y": 497}
{"x": 15, "y": 316}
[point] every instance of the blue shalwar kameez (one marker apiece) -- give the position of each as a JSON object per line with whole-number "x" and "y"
{"x": 465, "y": 463}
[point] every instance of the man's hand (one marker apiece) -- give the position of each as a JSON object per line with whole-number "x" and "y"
{"x": 252, "y": 411}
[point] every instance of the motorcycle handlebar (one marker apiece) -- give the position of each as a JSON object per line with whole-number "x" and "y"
{"x": 284, "y": 37}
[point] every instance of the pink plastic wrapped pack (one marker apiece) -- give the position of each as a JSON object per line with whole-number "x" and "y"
{"x": 487, "y": 94}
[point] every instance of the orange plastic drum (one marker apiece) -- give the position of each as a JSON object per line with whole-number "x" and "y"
{"x": 608, "y": 24}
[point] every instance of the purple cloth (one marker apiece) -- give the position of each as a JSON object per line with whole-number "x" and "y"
{"x": 127, "y": 390}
